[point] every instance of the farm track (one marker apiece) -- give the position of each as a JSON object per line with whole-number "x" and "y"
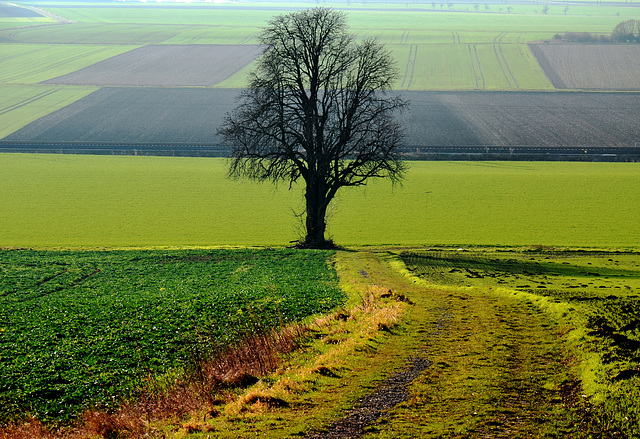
{"x": 404, "y": 38}
{"x": 411, "y": 66}
{"x": 502, "y": 62}
{"x": 473, "y": 66}
{"x": 475, "y": 62}
{"x": 467, "y": 342}
{"x": 18, "y": 55}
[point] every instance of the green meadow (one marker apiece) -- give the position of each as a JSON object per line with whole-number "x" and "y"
{"x": 52, "y": 201}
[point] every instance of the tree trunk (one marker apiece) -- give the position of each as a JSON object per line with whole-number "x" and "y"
{"x": 317, "y": 202}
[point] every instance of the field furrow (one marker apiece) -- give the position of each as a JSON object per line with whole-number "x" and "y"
{"x": 477, "y": 60}
{"x": 501, "y": 63}
{"x": 165, "y": 66}
{"x": 53, "y": 66}
{"x": 589, "y": 66}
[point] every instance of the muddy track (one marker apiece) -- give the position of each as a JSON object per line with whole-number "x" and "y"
{"x": 388, "y": 395}
{"x": 391, "y": 392}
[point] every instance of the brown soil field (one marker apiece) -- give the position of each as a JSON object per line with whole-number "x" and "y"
{"x": 517, "y": 119}
{"x": 436, "y": 119}
{"x": 165, "y": 66}
{"x": 590, "y": 66}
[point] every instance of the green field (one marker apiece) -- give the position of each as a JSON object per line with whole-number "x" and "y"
{"x": 86, "y": 328}
{"x": 105, "y": 201}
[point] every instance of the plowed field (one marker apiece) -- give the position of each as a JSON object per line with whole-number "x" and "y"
{"x": 504, "y": 119}
{"x": 165, "y": 66}
{"x": 590, "y": 66}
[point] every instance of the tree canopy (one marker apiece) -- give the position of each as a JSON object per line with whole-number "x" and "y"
{"x": 318, "y": 107}
{"x": 627, "y": 31}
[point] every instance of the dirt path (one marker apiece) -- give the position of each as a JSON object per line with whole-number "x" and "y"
{"x": 489, "y": 366}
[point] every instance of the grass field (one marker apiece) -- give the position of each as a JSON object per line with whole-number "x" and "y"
{"x": 98, "y": 201}
{"x": 34, "y": 63}
{"x": 462, "y": 66}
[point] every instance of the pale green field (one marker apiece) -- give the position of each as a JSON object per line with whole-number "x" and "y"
{"x": 33, "y": 63}
{"x": 106, "y": 201}
{"x": 468, "y": 67}
{"x": 23, "y": 104}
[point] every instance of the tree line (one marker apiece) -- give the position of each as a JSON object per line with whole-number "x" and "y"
{"x": 624, "y": 32}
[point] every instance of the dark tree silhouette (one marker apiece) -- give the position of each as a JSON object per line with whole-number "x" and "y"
{"x": 317, "y": 107}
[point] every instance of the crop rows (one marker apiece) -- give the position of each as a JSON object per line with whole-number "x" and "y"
{"x": 484, "y": 66}
{"x": 87, "y": 328}
{"x": 22, "y": 104}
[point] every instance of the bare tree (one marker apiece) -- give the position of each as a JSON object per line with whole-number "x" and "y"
{"x": 627, "y": 31}
{"x": 317, "y": 108}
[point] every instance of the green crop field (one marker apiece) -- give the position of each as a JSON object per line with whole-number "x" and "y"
{"x": 104, "y": 201}
{"x": 468, "y": 66}
{"x": 85, "y": 328}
